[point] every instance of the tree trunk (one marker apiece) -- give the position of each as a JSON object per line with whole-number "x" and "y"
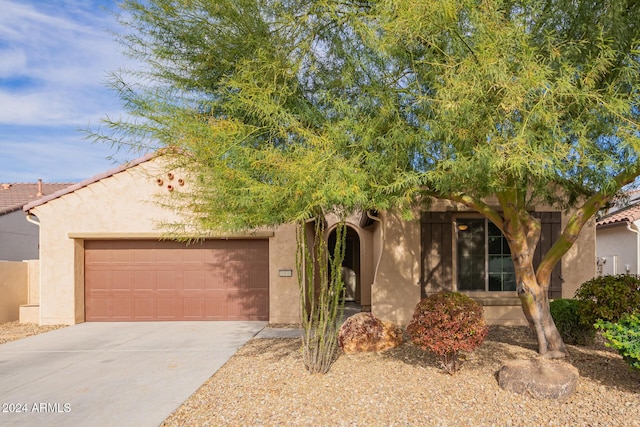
{"x": 535, "y": 304}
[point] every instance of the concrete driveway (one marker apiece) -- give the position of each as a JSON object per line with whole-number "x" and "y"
{"x": 112, "y": 374}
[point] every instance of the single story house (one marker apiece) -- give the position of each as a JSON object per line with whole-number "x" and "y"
{"x": 19, "y": 238}
{"x": 103, "y": 258}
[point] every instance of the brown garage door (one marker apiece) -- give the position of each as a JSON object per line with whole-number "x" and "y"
{"x": 162, "y": 280}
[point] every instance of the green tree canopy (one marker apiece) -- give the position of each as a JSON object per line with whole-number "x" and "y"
{"x": 282, "y": 107}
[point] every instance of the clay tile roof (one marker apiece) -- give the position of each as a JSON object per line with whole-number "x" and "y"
{"x": 13, "y": 196}
{"x": 628, "y": 214}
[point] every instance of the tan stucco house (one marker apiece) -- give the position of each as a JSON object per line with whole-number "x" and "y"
{"x": 102, "y": 258}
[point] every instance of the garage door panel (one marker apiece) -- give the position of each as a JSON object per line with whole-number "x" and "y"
{"x": 256, "y": 250}
{"x": 193, "y": 308}
{"x": 100, "y": 307}
{"x": 120, "y": 308}
{"x": 197, "y": 255}
{"x": 146, "y": 256}
{"x": 167, "y": 308}
{"x": 150, "y": 280}
{"x": 241, "y": 304}
{"x": 169, "y": 256}
{"x": 99, "y": 280}
{"x": 144, "y": 280}
{"x": 96, "y": 257}
{"x": 215, "y": 278}
{"x": 121, "y": 280}
{"x": 194, "y": 280}
{"x": 145, "y": 308}
{"x": 168, "y": 281}
{"x": 121, "y": 255}
{"x": 256, "y": 278}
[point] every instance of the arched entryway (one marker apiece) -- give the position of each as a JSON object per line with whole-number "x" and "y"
{"x": 351, "y": 265}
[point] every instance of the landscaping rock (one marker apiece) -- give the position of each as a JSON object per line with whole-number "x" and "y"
{"x": 364, "y": 332}
{"x": 541, "y": 378}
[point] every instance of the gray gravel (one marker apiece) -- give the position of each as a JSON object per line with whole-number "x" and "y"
{"x": 265, "y": 384}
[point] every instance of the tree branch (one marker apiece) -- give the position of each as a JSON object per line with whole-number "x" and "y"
{"x": 577, "y": 221}
{"x": 478, "y": 205}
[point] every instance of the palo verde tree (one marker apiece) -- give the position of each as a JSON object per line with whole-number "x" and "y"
{"x": 282, "y": 109}
{"x": 220, "y": 95}
{"x": 530, "y": 102}
{"x": 526, "y": 101}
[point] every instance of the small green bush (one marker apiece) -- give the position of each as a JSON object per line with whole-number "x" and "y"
{"x": 565, "y": 315}
{"x": 608, "y": 298}
{"x": 446, "y": 324}
{"x": 624, "y": 336}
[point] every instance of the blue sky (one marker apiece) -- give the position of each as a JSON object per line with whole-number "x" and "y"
{"x": 55, "y": 56}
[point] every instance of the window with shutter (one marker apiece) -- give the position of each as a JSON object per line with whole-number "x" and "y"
{"x": 476, "y": 250}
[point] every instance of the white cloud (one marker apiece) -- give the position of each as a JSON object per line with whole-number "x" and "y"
{"x": 13, "y": 62}
{"x": 55, "y": 56}
{"x": 56, "y": 66}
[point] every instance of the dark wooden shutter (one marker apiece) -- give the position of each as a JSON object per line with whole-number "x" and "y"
{"x": 436, "y": 252}
{"x": 551, "y": 229}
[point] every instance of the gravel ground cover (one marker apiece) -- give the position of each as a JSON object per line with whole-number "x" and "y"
{"x": 265, "y": 384}
{"x": 12, "y": 331}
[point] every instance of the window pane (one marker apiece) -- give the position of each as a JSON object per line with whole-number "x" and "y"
{"x": 509, "y": 283}
{"x": 497, "y": 242}
{"x": 495, "y": 245}
{"x": 471, "y": 282}
{"x": 501, "y": 273}
{"x": 471, "y": 254}
{"x": 495, "y": 282}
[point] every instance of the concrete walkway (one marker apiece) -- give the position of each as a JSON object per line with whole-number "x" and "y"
{"x": 112, "y": 374}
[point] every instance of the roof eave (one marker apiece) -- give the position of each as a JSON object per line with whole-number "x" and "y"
{"x": 87, "y": 182}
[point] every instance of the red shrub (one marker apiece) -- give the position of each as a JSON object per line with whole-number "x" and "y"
{"x": 447, "y": 323}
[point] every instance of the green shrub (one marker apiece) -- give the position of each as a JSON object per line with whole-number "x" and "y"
{"x": 565, "y": 315}
{"x": 446, "y": 324}
{"x": 624, "y": 336}
{"x": 608, "y": 298}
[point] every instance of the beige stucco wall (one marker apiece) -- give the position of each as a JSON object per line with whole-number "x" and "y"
{"x": 124, "y": 206}
{"x": 14, "y": 284}
{"x": 33, "y": 296}
{"x": 579, "y": 264}
{"x": 396, "y": 290}
{"x": 284, "y": 295}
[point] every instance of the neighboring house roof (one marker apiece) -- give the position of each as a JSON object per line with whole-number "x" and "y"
{"x": 628, "y": 214}
{"x": 86, "y": 182}
{"x": 13, "y": 196}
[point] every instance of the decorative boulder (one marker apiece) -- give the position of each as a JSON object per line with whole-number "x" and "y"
{"x": 365, "y": 332}
{"x": 541, "y": 378}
